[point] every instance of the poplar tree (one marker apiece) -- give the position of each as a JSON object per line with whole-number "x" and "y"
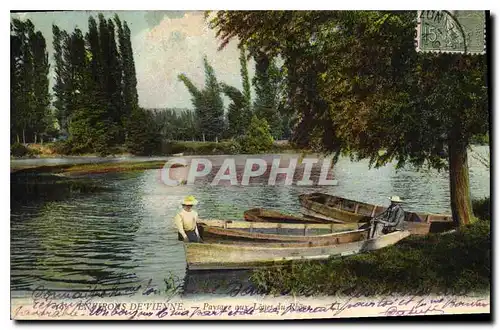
{"x": 30, "y": 96}
{"x": 208, "y": 104}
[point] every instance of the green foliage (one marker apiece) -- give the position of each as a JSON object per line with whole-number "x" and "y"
{"x": 481, "y": 139}
{"x": 266, "y": 83}
{"x": 416, "y": 265}
{"x": 95, "y": 85}
{"x": 175, "y": 124}
{"x": 358, "y": 86}
{"x": 482, "y": 208}
{"x": 143, "y": 137}
{"x": 18, "y": 150}
{"x": 208, "y": 105}
{"x": 30, "y": 98}
{"x": 238, "y": 113}
{"x": 258, "y": 137}
{"x": 61, "y": 147}
{"x": 379, "y": 93}
{"x": 202, "y": 148}
{"x": 247, "y": 94}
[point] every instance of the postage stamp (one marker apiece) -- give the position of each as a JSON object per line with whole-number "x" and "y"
{"x": 456, "y": 31}
{"x": 249, "y": 165}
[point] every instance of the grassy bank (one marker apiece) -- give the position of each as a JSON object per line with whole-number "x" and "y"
{"x": 455, "y": 263}
{"x": 94, "y": 168}
{"x": 220, "y": 148}
{"x": 114, "y": 167}
{"x": 55, "y": 150}
{"x": 61, "y": 149}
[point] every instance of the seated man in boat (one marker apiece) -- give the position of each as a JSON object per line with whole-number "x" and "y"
{"x": 187, "y": 221}
{"x": 390, "y": 220}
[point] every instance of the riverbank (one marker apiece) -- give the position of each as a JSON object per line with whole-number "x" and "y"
{"x": 189, "y": 148}
{"x": 455, "y": 263}
{"x": 93, "y": 168}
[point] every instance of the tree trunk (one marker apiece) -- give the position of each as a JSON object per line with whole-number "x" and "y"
{"x": 24, "y": 137}
{"x": 17, "y": 136}
{"x": 459, "y": 184}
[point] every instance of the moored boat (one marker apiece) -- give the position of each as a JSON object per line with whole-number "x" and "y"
{"x": 304, "y": 229}
{"x": 332, "y": 207}
{"x": 267, "y": 215}
{"x": 215, "y": 234}
{"x": 207, "y": 256}
{"x": 281, "y": 228}
{"x": 324, "y": 206}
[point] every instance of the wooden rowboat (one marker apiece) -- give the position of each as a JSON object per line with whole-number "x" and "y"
{"x": 266, "y": 215}
{"x": 333, "y": 207}
{"x": 326, "y": 206}
{"x": 304, "y": 229}
{"x": 281, "y": 228}
{"x": 205, "y": 256}
{"x": 214, "y": 234}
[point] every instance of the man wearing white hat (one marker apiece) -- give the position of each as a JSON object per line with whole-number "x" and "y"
{"x": 390, "y": 220}
{"x": 187, "y": 221}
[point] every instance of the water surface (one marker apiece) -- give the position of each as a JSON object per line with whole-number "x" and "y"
{"x": 124, "y": 235}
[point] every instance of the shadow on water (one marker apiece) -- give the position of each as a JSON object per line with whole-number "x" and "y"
{"x": 28, "y": 188}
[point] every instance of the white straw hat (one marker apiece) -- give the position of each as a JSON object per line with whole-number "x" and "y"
{"x": 396, "y": 199}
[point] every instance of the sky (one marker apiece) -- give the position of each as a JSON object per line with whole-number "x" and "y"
{"x": 165, "y": 44}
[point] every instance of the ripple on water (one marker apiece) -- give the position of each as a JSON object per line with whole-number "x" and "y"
{"x": 126, "y": 236}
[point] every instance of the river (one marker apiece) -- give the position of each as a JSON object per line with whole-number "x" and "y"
{"x": 124, "y": 235}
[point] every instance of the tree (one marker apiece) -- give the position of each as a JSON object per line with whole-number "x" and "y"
{"x": 40, "y": 85}
{"x": 114, "y": 86}
{"x": 238, "y": 111}
{"x": 258, "y": 137}
{"x": 61, "y": 100}
{"x": 129, "y": 71}
{"x": 379, "y": 93}
{"x": 244, "y": 75}
{"x": 213, "y": 104}
{"x": 266, "y": 80}
{"x": 208, "y": 104}
{"x": 75, "y": 58}
{"x": 24, "y": 101}
{"x": 30, "y": 96}
{"x": 174, "y": 124}
{"x": 15, "y": 83}
{"x": 143, "y": 137}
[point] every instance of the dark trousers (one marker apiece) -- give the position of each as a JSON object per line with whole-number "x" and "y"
{"x": 191, "y": 236}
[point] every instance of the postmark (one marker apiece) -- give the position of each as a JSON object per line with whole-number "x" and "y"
{"x": 456, "y": 31}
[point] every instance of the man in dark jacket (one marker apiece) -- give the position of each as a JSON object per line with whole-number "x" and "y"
{"x": 390, "y": 220}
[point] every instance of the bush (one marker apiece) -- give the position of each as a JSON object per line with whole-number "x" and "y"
{"x": 62, "y": 147}
{"x": 441, "y": 264}
{"x": 258, "y": 138}
{"x": 201, "y": 148}
{"x": 19, "y": 150}
{"x": 482, "y": 208}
